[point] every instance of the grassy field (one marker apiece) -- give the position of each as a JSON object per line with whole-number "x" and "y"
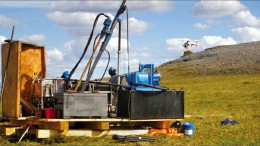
{"x": 208, "y": 101}
{"x": 211, "y": 99}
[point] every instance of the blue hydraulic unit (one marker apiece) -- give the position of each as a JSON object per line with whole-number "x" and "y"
{"x": 147, "y": 99}
{"x": 144, "y": 80}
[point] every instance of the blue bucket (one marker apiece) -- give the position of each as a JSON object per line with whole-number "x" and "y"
{"x": 188, "y": 129}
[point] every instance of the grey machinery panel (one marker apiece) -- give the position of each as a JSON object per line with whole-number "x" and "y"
{"x": 151, "y": 104}
{"x": 84, "y": 105}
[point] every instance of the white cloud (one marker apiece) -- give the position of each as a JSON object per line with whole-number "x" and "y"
{"x": 112, "y": 46}
{"x": 140, "y": 52}
{"x": 2, "y": 39}
{"x": 212, "y": 41}
{"x": 21, "y": 4}
{"x": 134, "y": 63}
{"x": 247, "y": 34}
{"x": 111, "y": 6}
{"x": 155, "y": 6}
{"x": 102, "y": 63}
{"x": 200, "y": 26}
{"x": 249, "y": 25}
{"x": 83, "y": 6}
{"x": 33, "y": 38}
{"x": 6, "y": 21}
{"x": 77, "y": 23}
{"x": 136, "y": 26}
{"x": 246, "y": 18}
{"x": 214, "y": 9}
{"x": 73, "y": 49}
{"x": 80, "y": 23}
{"x": 176, "y": 44}
{"x": 73, "y": 19}
{"x": 55, "y": 55}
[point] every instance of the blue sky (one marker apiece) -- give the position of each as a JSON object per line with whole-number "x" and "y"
{"x": 158, "y": 29}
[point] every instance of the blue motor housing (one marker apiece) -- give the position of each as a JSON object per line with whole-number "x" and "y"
{"x": 136, "y": 79}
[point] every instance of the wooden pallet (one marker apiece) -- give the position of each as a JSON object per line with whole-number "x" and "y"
{"x": 45, "y": 128}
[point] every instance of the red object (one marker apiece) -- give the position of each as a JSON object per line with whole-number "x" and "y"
{"x": 49, "y": 113}
{"x": 165, "y": 131}
{"x": 161, "y": 131}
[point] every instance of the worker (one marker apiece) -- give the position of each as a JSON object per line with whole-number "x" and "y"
{"x": 186, "y": 45}
{"x": 65, "y": 74}
{"x": 157, "y": 71}
{"x": 113, "y": 80}
{"x": 112, "y": 73}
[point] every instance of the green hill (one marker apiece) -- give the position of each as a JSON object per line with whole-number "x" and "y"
{"x": 220, "y": 60}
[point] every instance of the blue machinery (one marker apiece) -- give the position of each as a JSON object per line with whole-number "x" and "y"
{"x": 144, "y": 80}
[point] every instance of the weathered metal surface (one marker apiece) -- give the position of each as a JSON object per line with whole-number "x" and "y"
{"x": 82, "y": 104}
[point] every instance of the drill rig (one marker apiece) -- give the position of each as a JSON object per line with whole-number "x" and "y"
{"x": 142, "y": 98}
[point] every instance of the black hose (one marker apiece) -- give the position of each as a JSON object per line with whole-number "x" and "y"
{"x": 106, "y": 67}
{"x": 86, "y": 47}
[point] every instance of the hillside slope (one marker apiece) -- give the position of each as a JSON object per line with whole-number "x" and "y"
{"x": 221, "y": 60}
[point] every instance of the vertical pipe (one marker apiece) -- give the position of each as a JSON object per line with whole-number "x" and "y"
{"x": 128, "y": 49}
{"x": 119, "y": 50}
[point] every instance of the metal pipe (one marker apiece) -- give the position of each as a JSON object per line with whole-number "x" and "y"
{"x": 119, "y": 50}
{"x": 88, "y": 64}
{"x": 152, "y": 86}
{"x": 128, "y": 48}
{"x": 104, "y": 45}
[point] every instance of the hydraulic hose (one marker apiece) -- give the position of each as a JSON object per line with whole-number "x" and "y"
{"x": 104, "y": 45}
{"x": 86, "y": 47}
{"x": 88, "y": 64}
{"x": 106, "y": 67}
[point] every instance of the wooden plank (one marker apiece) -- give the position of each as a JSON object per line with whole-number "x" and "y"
{"x": 10, "y": 130}
{"x": 54, "y": 125}
{"x": 95, "y": 133}
{"x": 10, "y": 99}
{"x": 19, "y": 118}
{"x": 159, "y": 124}
{"x": 24, "y": 122}
{"x": 46, "y": 133}
{"x": 105, "y": 120}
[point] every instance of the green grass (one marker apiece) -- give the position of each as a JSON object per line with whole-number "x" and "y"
{"x": 211, "y": 99}
{"x": 208, "y": 101}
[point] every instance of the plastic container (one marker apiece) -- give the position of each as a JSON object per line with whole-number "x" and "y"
{"x": 188, "y": 129}
{"x": 49, "y": 113}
